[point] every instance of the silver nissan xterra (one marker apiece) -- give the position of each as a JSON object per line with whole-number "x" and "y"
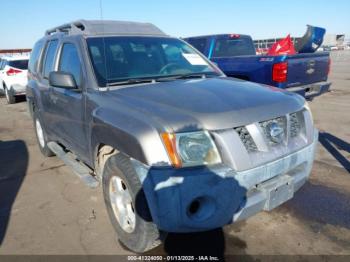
{"x": 176, "y": 145}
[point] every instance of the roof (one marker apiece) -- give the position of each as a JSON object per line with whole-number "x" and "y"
{"x": 107, "y": 27}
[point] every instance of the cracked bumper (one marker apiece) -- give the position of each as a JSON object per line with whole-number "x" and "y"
{"x": 199, "y": 199}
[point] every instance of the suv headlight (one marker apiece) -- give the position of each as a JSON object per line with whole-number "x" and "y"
{"x": 191, "y": 149}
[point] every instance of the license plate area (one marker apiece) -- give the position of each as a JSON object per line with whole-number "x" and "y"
{"x": 277, "y": 191}
{"x": 313, "y": 90}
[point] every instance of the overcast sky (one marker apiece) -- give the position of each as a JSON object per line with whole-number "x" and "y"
{"x": 24, "y": 21}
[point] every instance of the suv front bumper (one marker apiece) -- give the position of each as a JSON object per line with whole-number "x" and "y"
{"x": 199, "y": 199}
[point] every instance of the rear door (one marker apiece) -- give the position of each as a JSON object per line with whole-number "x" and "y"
{"x": 45, "y": 67}
{"x": 69, "y": 105}
{"x": 306, "y": 69}
{"x": 235, "y": 55}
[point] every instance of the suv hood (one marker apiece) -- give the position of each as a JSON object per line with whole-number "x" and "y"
{"x": 211, "y": 104}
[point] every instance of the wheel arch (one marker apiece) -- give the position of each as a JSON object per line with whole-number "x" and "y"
{"x": 134, "y": 138}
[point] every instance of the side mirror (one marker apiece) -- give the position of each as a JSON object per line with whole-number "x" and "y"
{"x": 62, "y": 80}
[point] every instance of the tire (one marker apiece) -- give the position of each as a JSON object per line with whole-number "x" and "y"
{"x": 41, "y": 136}
{"x": 10, "y": 97}
{"x": 139, "y": 233}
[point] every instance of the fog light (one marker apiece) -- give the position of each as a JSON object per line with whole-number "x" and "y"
{"x": 194, "y": 207}
{"x": 201, "y": 208}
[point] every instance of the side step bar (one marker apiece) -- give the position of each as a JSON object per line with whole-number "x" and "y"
{"x": 81, "y": 170}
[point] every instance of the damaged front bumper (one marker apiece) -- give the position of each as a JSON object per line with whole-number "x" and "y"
{"x": 199, "y": 199}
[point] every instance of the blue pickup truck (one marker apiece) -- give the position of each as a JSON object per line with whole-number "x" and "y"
{"x": 235, "y": 55}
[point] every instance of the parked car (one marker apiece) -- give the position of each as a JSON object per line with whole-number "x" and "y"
{"x": 13, "y": 77}
{"x": 305, "y": 74}
{"x": 176, "y": 145}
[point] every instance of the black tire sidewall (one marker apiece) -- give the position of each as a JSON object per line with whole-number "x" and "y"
{"x": 10, "y": 97}
{"x": 46, "y": 151}
{"x": 145, "y": 235}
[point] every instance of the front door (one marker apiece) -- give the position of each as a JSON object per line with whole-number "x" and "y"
{"x": 69, "y": 105}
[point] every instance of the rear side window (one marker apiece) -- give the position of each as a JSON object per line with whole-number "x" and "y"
{"x": 49, "y": 58}
{"x": 34, "y": 56}
{"x": 226, "y": 47}
{"x": 69, "y": 61}
{"x": 198, "y": 43}
{"x": 20, "y": 64}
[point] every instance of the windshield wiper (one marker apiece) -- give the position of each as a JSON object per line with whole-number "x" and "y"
{"x": 131, "y": 81}
{"x": 161, "y": 79}
{"x": 185, "y": 76}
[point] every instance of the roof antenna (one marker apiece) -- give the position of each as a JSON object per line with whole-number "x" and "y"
{"x": 101, "y": 10}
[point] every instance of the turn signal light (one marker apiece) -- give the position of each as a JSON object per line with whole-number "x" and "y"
{"x": 170, "y": 145}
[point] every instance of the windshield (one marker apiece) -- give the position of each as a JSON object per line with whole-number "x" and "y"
{"x": 226, "y": 47}
{"x": 122, "y": 58}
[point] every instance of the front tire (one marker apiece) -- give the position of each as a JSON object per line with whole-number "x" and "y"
{"x": 10, "y": 97}
{"x": 121, "y": 188}
{"x": 41, "y": 137}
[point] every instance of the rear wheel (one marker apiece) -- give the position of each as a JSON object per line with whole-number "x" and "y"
{"x": 133, "y": 223}
{"x": 41, "y": 137}
{"x": 10, "y": 97}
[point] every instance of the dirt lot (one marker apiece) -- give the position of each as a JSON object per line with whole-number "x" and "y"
{"x": 45, "y": 209}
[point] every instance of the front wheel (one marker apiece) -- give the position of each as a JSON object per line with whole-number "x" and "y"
{"x": 133, "y": 223}
{"x": 41, "y": 137}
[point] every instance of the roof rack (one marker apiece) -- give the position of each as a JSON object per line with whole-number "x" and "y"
{"x": 106, "y": 27}
{"x": 74, "y": 27}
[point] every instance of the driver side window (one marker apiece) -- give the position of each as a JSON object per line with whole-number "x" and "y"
{"x": 70, "y": 62}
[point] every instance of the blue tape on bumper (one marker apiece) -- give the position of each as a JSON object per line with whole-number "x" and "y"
{"x": 199, "y": 199}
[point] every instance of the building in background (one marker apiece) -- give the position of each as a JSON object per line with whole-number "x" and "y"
{"x": 14, "y": 52}
{"x": 263, "y": 45}
{"x": 334, "y": 40}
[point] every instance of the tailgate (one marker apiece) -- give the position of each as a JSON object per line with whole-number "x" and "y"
{"x": 304, "y": 69}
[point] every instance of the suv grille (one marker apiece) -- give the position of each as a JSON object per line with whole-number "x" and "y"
{"x": 246, "y": 138}
{"x": 294, "y": 125}
{"x": 295, "y": 128}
